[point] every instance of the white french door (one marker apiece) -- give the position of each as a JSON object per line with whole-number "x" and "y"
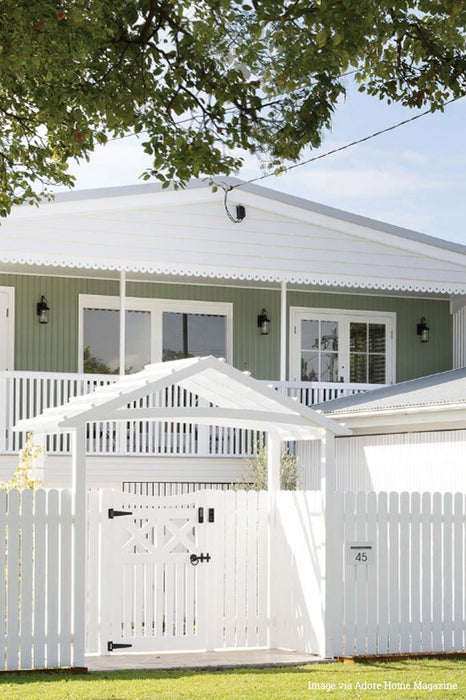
{"x": 7, "y": 328}
{"x": 342, "y": 346}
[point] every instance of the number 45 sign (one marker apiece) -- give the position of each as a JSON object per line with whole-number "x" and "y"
{"x": 360, "y": 553}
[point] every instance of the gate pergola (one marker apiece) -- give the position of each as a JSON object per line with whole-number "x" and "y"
{"x": 234, "y": 400}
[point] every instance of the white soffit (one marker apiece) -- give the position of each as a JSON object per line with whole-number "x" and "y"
{"x": 147, "y": 231}
{"x": 239, "y": 402}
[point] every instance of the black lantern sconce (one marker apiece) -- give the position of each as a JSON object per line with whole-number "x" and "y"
{"x": 423, "y": 330}
{"x": 263, "y": 322}
{"x": 43, "y": 310}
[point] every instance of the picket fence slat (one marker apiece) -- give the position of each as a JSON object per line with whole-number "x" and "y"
{"x": 26, "y": 578}
{"x": 65, "y": 578}
{"x": 404, "y": 582}
{"x": 13, "y": 609}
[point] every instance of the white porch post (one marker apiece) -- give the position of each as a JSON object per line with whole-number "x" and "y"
{"x": 327, "y": 487}
{"x": 283, "y": 328}
{"x": 122, "y": 321}
{"x": 79, "y": 510}
{"x": 273, "y": 485}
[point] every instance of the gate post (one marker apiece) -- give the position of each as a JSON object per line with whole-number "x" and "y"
{"x": 79, "y": 518}
{"x": 273, "y": 485}
{"x": 331, "y": 550}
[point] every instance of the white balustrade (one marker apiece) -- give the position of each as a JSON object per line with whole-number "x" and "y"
{"x": 26, "y": 394}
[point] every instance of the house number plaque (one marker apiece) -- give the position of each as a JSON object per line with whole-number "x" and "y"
{"x": 360, "y": 553}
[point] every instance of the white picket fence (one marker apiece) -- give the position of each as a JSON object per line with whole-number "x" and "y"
{"x": 262, "y": 586}
{"x": 35, "y": 579}
{"x": 412, "y": 596}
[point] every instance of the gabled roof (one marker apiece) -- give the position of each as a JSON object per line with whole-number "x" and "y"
{"x": 445, "y": 389}
{"x": 145, "y": 231}
{"x": 239, "y": 401}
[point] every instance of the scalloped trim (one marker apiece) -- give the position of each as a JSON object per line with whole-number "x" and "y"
{"x": 253, "y": 276}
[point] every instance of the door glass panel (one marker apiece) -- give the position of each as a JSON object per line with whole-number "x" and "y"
{"x": 329, "y": 336}
{"x": 358, "y": 337}
{"x": 377, "y": 369}
{"x": 319, "y": 351}
{"x": 101, "y": 332}
{"x": 193, "y": 335}
{"x": 376, "y": 337}
{"x": 309, "y": 366}
{"x": 329, "y": 367}
{"x": 138, "y": 351}
{"x": 358, "y": 368}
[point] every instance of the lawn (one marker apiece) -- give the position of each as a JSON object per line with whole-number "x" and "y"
{"x": 369, "y": 680}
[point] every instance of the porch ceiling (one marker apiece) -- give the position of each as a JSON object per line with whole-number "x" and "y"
{"x": 237, "y": 400}
{"x": 186, "y": 234}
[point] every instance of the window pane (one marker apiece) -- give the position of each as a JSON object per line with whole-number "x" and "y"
{"x": 376, "y": 337}
{"x": 309, "y": 366}
{"x": 193, "y": 335}
{"x": 101, "y": 332}
{"x": 358, "y": 368}
{"x": 137, "y": 342}
{"x": 329, "y": 335}
{"x": 377, "y": 369}
{"x": 329, "y": 367}
{"x": 358, "y": 337}
{"x": 309, "y": 335}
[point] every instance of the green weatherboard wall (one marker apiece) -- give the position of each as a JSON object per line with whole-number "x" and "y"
{"x": 54, "y": 347}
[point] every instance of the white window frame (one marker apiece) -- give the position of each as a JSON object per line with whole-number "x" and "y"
{"x": 8, "y": 324}
{"x": 344, "y": 317}
{"x": 156, "y": 307}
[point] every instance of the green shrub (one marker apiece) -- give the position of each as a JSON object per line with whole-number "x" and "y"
{"x": 22, "y": 477}
{"x": 256, "y": 477}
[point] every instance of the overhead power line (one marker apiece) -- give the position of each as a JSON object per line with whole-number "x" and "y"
{"x": 229, "y": 188}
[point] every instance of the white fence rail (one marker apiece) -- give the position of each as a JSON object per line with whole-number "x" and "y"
{"x": 35, "y": 579}
{"x": 411, "y": 595}
{"x": 26, "y": 394}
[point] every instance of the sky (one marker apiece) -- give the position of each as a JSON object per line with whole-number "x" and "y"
{"x": 412, "y": 177}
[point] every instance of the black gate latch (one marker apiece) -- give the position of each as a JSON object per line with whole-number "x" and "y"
{"x": 117, "y": 513}
{"x": 111, "y": 646}
{"x": 196, "y": 558}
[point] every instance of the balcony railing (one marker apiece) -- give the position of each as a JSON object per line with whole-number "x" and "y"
{"x": 26, "y": 394}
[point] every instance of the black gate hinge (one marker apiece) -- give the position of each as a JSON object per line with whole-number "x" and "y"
{"x": 111, "y": 646}
{"x": 117, "y": 513}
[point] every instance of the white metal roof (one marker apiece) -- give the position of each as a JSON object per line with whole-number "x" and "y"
{"x": 239, "y": 401}
{"x": 444, "y": 389}
{"x": 145, "y": 230}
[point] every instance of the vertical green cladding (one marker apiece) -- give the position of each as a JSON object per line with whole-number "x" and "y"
{"x": 54, "y": 347}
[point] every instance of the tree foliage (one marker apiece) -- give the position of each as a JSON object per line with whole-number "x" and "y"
{"x": 201, "y": 81}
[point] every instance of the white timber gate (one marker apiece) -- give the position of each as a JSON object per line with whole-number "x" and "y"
{"x": 185, "y": 572}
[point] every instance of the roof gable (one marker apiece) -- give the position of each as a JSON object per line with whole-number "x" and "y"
{"x": 186, "y": 232}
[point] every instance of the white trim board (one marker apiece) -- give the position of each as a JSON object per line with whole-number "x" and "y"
{"x": 7, "y": 326}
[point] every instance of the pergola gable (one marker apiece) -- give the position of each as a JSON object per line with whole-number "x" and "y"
{"x": 228, "y": 397}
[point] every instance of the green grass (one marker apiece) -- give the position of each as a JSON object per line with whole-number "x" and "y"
{"x": 273, "y": 683}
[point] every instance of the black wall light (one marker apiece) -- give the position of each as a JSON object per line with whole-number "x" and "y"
{"x": 263, "y": 322}
{"x": 43, "y": 310}
{"x": 423, "y": 330}
{"x": 240, "y": 212}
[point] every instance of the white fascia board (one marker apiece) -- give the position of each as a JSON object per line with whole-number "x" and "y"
{"x": 118, "y": 202}
{"x": 380, "y": 420}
